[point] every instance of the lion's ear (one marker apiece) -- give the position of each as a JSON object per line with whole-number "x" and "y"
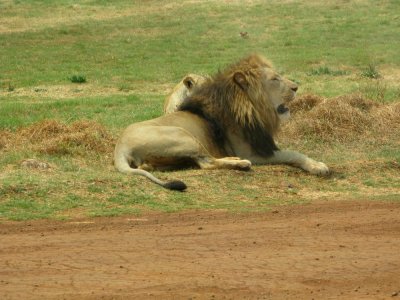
{"x": 188, "y": 82}
{"x": 241, "y": 81}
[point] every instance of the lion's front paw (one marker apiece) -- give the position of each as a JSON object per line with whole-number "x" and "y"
{"x": 244, "y": 164}
{"x": 317, "y": 168}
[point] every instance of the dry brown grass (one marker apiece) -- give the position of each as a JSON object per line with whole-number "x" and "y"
{"x": 71, "y": 91}
{"x": 341, "y": 119}
{"x": 5, "y": 137}
{"x": 53, "y": 137}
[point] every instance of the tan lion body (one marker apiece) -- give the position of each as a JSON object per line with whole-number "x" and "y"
{"x": 234, "y": 114}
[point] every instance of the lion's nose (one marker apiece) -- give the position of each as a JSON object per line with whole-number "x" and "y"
{"x": 295, "y": 88}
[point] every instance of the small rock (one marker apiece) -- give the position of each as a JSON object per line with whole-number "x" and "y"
{"x": 394, "y": 294}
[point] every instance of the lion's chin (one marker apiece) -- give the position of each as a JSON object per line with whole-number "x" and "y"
{"x": 282, "y": 109}
{"x": 283, "y": 112}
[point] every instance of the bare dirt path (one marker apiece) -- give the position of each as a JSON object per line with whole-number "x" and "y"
{"x": 330, "y": 250}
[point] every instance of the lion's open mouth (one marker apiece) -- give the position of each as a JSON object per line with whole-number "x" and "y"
{"x": 281, "y": 109}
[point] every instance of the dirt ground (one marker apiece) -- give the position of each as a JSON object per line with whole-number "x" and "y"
{"x": 327, "y": 250}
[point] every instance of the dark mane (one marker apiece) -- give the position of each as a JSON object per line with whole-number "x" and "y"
{"x": 196, "y": 105}
{"x": 225, "y": 107}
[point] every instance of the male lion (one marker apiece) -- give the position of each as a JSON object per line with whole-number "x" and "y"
{"x": 182, "y": 90}
{"x": 228, "y": 122}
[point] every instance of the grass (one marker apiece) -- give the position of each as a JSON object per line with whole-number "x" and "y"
{"x": 114, "y": 111}
{"x": 371, "y": 72}
{"x": 324, "y": 70}
{"x": 77, "y": 78}
{"x": 134, "y": 52}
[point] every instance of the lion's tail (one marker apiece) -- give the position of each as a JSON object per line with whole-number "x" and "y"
{"x": 123, "y": 166}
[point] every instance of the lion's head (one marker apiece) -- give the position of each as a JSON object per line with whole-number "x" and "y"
{"x": 249, "y": 97}
{"x": 260, "y": 93}
{"x": 182, "y": 90}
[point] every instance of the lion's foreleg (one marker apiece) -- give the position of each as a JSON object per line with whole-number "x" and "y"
{"x": 299, "y": 160}
{"x": 224, "y": 163}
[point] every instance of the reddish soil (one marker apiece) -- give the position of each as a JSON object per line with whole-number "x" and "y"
{"x": 330, "y": 250}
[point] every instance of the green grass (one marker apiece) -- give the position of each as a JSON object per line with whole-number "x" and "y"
{"x": 324, "y": 70}
{"x": 114, "y": 111}
{"x": 77, "y": 78}
{"x": 129, "y": 55}
{"x": 371, "y": 72}
{"x": 156, "y": 46}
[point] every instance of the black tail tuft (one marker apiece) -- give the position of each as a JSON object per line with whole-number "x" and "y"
{"x": 176, "y": 185}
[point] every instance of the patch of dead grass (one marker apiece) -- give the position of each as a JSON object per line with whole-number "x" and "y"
{"x": 391, "y": 75}
{"x": 341, "y": 119}
{"x": 72, "y": 91}
{"x": 52, "y": 137}
{"x": 5, "y": 136}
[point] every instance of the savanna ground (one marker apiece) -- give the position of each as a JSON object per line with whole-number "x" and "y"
{"x": 73, "y": 74}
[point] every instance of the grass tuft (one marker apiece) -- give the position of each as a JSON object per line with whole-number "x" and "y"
{"x": 371, "y": 72}
{"x": 77, "y": 79}
{"x": 324, "y": 70}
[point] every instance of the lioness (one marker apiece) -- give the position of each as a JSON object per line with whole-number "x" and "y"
{"x": 228, "y": 122}
{"x": 182, "y": 90}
